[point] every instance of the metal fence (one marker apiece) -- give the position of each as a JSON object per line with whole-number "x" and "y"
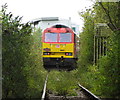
{"x": 101, "y": 36}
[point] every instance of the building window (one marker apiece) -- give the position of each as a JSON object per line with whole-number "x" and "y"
{"x": 74, "y": 29}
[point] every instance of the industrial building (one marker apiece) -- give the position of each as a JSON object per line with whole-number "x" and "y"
{"x": 46, "y": 22}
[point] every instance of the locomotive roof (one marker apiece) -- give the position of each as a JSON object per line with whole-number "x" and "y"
{"x": 62, "y": 28}
{"x": 59, "y": 26}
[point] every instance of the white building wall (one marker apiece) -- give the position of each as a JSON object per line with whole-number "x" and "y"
{"x": 46, "y": 24}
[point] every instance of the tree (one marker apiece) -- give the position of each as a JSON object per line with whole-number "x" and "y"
{"x": 22, "y": 77}
{"x": 106, "y": 75}
{"x": 87, "y": 39}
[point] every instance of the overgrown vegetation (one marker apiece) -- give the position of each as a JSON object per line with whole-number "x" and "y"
{"x": 87, "y": 40}
{"x": 21, "y": 69}
{"x": 23, "y": 73}
{"x": 62, "y": 83}
{"x": 103, "y": 77}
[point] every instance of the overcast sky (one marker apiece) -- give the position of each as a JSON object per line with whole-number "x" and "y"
{"x": 32, "y": 9}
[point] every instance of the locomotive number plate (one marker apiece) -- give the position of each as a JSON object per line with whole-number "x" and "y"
{"x": 57, "y": 46}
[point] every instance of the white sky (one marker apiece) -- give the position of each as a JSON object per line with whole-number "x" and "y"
{"x": 32, "y": 9}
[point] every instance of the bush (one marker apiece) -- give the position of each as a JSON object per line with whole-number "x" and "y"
{"x": 22, "y": 65}
{"x": 62, "y": 83}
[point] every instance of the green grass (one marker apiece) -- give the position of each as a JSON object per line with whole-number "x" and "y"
{"x": 62, "y": 83}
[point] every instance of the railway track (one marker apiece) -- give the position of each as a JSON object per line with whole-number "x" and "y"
{"x": 83, "y": 94}
{"x": 88, "y": 93}
{"x": 44, "y": 89}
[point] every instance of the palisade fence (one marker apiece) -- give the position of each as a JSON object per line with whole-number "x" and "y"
{"x": 101, "y": 36}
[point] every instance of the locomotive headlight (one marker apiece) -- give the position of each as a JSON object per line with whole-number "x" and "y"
{"x": 68, "y": 54}
{"x": 46, "y": 53}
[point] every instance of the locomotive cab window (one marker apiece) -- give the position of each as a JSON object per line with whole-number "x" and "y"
{"x": 65, "y": 37}
{"x": 58, "y": 37}
{"x": 50, "y": 37}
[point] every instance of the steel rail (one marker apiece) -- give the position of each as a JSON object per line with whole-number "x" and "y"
{"x": 44, "y": 89}
{"x": 90, "y": 93}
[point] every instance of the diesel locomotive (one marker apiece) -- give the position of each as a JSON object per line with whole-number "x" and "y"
{"x": 59, "y": 47}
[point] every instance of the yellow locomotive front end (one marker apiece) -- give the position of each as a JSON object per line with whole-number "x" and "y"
{"x": 58, "y": 47}
{"x": 56, "y": 50}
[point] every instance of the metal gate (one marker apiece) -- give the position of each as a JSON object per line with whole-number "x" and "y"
{"x": 100, "y": 41}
